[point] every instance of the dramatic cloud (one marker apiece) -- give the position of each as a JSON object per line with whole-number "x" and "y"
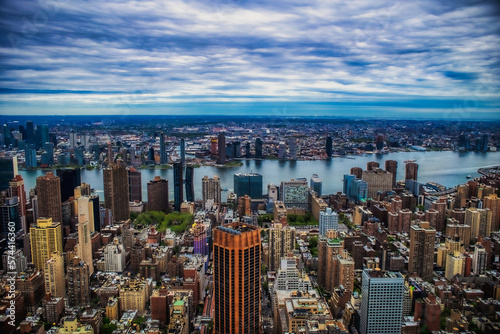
{"x": 389, "y": 58}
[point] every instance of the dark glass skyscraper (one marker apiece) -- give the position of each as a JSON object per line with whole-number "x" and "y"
{"x": 70, "y": 179}
{"x": 189, "y": 184}
{"x": 6, "y": 172}
{"x": 183, "y": 151}
{"x": 178, "y": 189}
{"x": 163, "y": 152}
{"x": 248, "y": 184}
{"x": 258, "y": 148}
{"x": 329, "y": 146}
{"x": 221, "y": 158}
{"x": 30, "y": 133}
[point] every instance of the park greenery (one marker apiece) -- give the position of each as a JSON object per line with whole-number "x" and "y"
{"x": 175, "y": 221}
{"x": 298, "y": 220}
{"x": 313, "y": 246}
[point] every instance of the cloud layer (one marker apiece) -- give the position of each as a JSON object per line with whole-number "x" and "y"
{"x": 425, "y": 56}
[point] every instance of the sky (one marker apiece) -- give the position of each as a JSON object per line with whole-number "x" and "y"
{"x": 409, "y": 59}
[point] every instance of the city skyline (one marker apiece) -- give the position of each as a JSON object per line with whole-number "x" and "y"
{"x": 386, "y": 59}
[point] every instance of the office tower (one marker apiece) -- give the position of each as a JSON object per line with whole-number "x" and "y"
{"x": 411, "y": 171}
{"x": 485, "y": 138}
{"x": 328, "y": 220}
{"x": 30, "y": 133}
{"x": 329, "y": 146}
{"x": 354, "y": 188}
{"x": 479, "y": 221}
{"x": 391, "y": 166}
{"x": 9, "y": 216}
{"x": 158, "y": 195}
{"x": 163, "y": 150}
{"x": 134, "y": 185}
{"x": 258, "y": 148}
{"x": 7, "y": 172}
{"x": 237, "y": 260}
{"x": 48, "y": 156}
{"x": 316, "y": 184}
{"x": 230, "y": 151}
{"x": 55, "y": 283}
{"x": 221, "y": 142}
{"x": 492, "y": 202}
{"x": 237, "y": 149}
{"x": 455, "y": 265}
{"x": 293, "y": 147}
{"x": 70, "y": 178}
{"x": 6, "y": 135}
{"x": 44, "y": 133}
{"x": 200, "y": 238}
{"x": 372, "y": 165}
{"x": 422, "y": 240}
{"x": 211, "y": 192}
{"x": 281, "y": 242}
{"x": 110, "y": 153}
{"x": 248, "y": 152}
{"x": 49, "y": 197}
{"x": 381, "y": 302}
{"x": 463, "y": 142}
{"x": 213, "y": 147}
{"x": 116, "y": 190}
{"x": 379, "y": 142}
{"x": 479, "y": 260}
{"x": 114, "y": 256}
{"x": 189, "y": 183}
{"x": 377, "y": 180}
{"x": 16, "y": 189}
{"x": 248, "y": 184}
{"x": 182, "y": 150}
{"x": 178, "y": 189}
{"x": 72, "y": 139}
{"x": 77, "y": 282}
{"x": 294, "y": 193}
{"x": 45, "y": 239}
{"x": 30, "y": 156}
{"x": 281, "y": 150}
{"x": 79, "y": 157}
{"x": 357, "y": 171}
{"x": 151, "y": 154}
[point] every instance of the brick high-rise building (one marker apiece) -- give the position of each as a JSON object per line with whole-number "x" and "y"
{"x": 237, "y": 261}
{"x": 411, "y": 171}
{"x": 357, "y": 171}
{"x": 491, "y": 202}
{"x": 45, "y": 239}
{"x": 378, "y": 180}
{"x": 158, "y": 195}
{"x": 77, "y": 282}
{"x": 49, "y": 197}
{"x": 372, "y": 165}
{"x": 422, "y": 239}
{"x": 329, "y": 247}
{"x": 211, "y": 191}
{"x": 116, "y": 188}
{"x": 391, "y": 166}
{"x": 134, "y": 185}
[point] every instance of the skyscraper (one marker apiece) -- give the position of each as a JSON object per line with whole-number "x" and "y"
{"x": 55, "y": 283}
{"x": 200, "y": 238}
{"x": 134, "y": 185}
{"x": 190, "y": 183}
{"x": 30, "y": 133}
{"x": 158, "y": 195}
{"x": 178, "y": 187}
{"x": 479, "y": 260}
{"x": 7, "y": 172}
{"x": 237, "y": 260}
{"x": 85, "y": 226}
{"x": 372, "y": 165}
{"x": 329, "y": 146}
{"x": 45, "y": 239}
{"x": 328, "y": 220}
{"x": 49, "y": 197}
{"x": 293, "y": 147}
{"x": 70, "y": 178}
{"x": 258, "y": 148}
{"x": 9, "y": 215}
{"x": 316, "y": 184}
{"x": 211, "y": 191}
{"x": 213, "y": 147}
{"x": 77, "y": 281}
{"x": 221, "y": 142}
{"x": 163, "y": 151}
{"x": 377, "y": 180}
{"x": 411, "y": 171}
{"x": 381, "y": 302}
{"x": 248, "y": 184}
{"x": 422, "y": 240}
{"x": 16, "y": 189}
{"x": 30, "y": 156}
{"x": 182, "y": 150}
{"x": 116, "y": 190}
{"x": 281, "y": 242}
{"x": 293, "y": 193}
{"x": 391, "y": 166}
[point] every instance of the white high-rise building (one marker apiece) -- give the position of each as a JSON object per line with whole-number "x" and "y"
{"x": 381, "y": 302}
{"x": 479, "y": 260}
{"x": 289, "y": 278}
{"x": 114, "y": 256}
{"x": 328, "y": 220}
